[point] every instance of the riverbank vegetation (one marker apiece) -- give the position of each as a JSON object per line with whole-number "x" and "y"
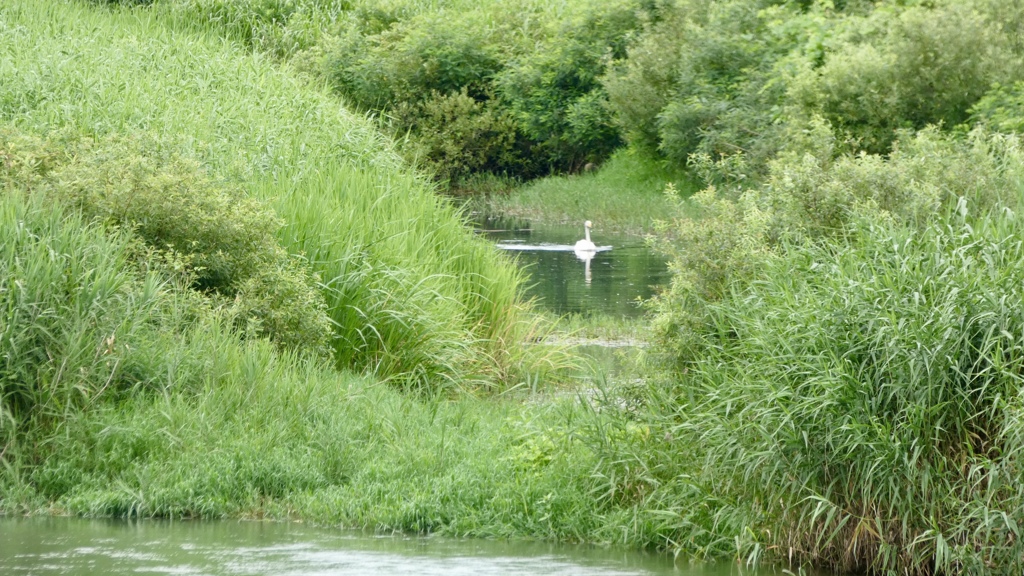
{"x": 225, "y": 294}
{"x": 627, "y": 194}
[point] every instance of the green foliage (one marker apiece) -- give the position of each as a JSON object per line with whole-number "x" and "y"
{"x": 412, "y": 59}
{"x": 554, "y": 92}
{"x": 845, "y": 360}
{"x": 224, "y": 240}
{"x": 854, "y": 404}
{"x": 456, "y": 135}
{"x": 907, "y": 69}
{"x": 732, "y": 81}
{"x": 487, "y": 89}
{"x": 71, "y": 300}
{"x": 702, "y": 79}
{"x": 1001, "y": 109}
{"x": 267, "y": 437}
{"x": 284, "y": 28}
{"x": 424, "y": 301}
{"x": 816, "y": 197}
{"x": 624, "y": 194}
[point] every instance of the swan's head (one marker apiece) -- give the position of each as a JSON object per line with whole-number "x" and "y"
{"x": 587, "y": 224}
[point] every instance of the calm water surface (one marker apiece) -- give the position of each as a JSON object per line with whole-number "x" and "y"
{"x": 618, "y": 278}
{"x": 46, "y": 546}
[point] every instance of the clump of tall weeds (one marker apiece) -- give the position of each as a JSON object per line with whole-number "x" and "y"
{"x": 845, "y": 348}
{"x": 858, "y": 398}
{"x": 72, "y": 301}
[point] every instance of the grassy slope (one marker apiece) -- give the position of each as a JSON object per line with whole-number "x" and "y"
{"x": 177, "y": 417}
{"x": 405, "y": 281}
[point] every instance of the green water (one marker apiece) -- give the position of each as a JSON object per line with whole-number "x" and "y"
{"x": 619, "y": 277}
{"x": 45, "y": 546}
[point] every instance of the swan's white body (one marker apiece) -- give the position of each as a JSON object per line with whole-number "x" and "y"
{"x": 586, "y": 245}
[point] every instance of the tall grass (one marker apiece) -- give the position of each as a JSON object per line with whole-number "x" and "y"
{"x": 259, "y": 437}
{"x": 365, "y": 236}
{"x": 63, "y": 292}
{"x": 855, "y": 406}
{"x": 414, "y": 295}
{"x": 121, "y": 395}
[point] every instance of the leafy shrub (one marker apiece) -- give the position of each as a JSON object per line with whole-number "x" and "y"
{"x": 642, "y": 84}
{"x": 554, "y": 91}
{"x": 702, "y": 79}
{"x": 411, "y": 60}
{"x": 489, "y": 89}
{"x": 456, "y": 135}
{"x": 908, "y": 69}
{"x": 816, "y": 197}
{"x": 1002, "y": 108}
{"x": 281, "y": 27}
{"x": 225, "y": 240}
{"x": 732, "y": 81}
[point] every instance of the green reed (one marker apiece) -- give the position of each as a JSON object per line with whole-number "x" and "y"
{"x": 855, "y": 406}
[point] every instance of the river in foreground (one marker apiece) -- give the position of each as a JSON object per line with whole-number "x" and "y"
{"x": 45, "y": 546}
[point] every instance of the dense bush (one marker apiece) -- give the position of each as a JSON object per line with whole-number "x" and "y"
{"x": 412, "y": 59}
{"x": 703, "y": 79}
{"x": 456, "y": 135}
{"x": 733, "y": 80}
{"x": 1002, "y": 109}
{"x": 489, "y": 89}
{"x": 815, "y": 196}
{"x": 554, "y": 91}
{"x": 907, "y": 69}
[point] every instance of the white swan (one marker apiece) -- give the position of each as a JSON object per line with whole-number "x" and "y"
{"x": 586, "y": 245}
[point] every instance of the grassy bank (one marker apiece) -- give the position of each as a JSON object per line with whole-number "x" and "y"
{"x": 148, "y": 180}
{"x": 627, "y": 193}
{"x": 175, "y": 416}
{"x": 411, "y": 294}
{"x": 132, "y": 390}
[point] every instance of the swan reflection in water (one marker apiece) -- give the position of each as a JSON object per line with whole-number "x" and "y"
{"x": 584, "y": 249}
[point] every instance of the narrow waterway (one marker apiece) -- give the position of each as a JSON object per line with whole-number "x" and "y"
{"x": 73, "y": 546}
{"x": 613, "y": 281}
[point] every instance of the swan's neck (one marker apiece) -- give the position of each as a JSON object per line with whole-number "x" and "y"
{"x": 586, "y": 232}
